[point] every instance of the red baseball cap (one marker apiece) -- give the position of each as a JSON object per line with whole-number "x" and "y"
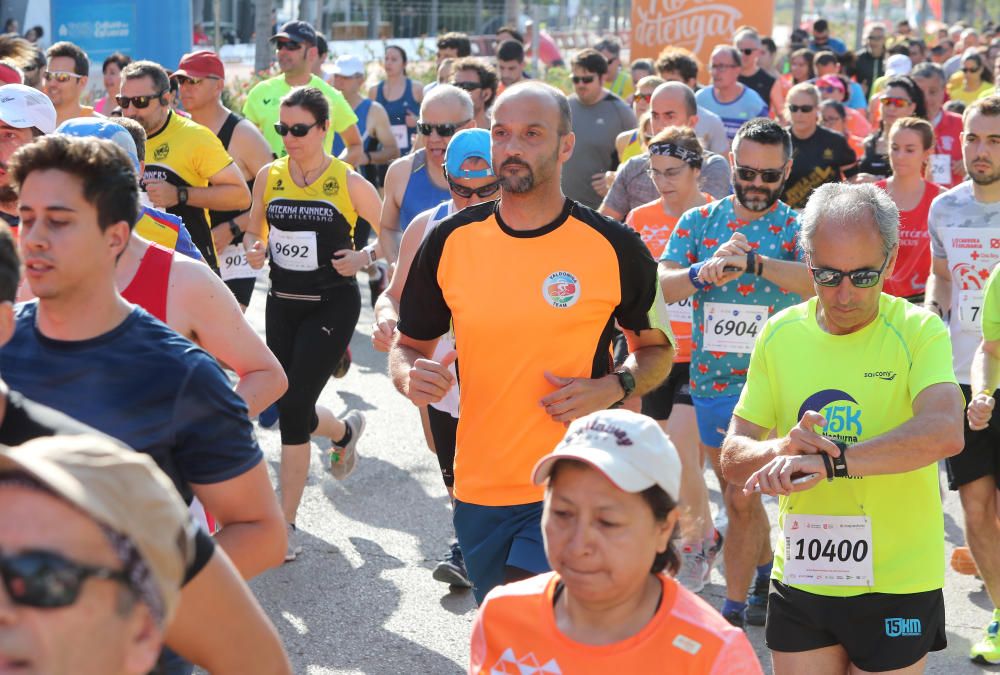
{"x": 199, "y": 65}
{"x": 9, "y": 75}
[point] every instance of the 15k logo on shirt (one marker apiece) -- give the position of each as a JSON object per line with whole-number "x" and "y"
{"x": 561, "y": 289}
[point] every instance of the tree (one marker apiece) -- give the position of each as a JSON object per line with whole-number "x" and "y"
{"x": 262, "y": 29}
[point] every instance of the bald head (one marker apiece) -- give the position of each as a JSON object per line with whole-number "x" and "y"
{"x": 672, "y": 104}
{"x": 540, "y": 96}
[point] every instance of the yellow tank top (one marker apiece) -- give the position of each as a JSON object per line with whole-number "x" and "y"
{"x": 633, "y": 149}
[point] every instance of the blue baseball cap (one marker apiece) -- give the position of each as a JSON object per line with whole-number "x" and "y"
{"x": 95, "y": 127}
{"x": 464, "y": 145}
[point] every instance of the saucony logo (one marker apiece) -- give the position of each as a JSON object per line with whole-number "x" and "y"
{"x": 886, "y": 375}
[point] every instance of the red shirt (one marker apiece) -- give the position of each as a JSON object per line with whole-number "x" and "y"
{"x": 948, "y": 142}
{"x": 913, "y": 264}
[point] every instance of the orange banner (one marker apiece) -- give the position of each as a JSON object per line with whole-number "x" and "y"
{"x": 697, "y": 25}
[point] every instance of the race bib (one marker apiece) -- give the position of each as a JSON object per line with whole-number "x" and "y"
{"x": 828, "y": 550}
{"x": 941, "y": 169}
{"x": 294, "y": 250}
{"x": 233, "y": 263}
{"x": 970, "y": 306}
{"x": 402, "y": 135}
{"x": 732, "y": 328}
{"x": 680, "y": 311}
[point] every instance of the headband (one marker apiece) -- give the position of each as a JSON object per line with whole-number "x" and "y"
{"x": 664, "y": 149}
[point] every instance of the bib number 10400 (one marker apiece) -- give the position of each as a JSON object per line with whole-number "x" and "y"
{"x": 828, "y": 550}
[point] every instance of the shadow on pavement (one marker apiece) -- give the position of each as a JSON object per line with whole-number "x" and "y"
{"x": 457, "y": 600}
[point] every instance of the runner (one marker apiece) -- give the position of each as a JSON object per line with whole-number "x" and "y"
{"x": 416, "y": 182}
{"x": 560, "y": 250}
{"x": 747, "y": 42}
{"x": 619, "y": 79}
{"x": 963, "y": 224}
{"x": 632, "y": 143}
{"x": 400, "y": 96}
{"x": 66, "y": 80}
{"x": 201, "y": 79}
{"x": 377, "y": 139}
{"x": 112, "y": 72}
{"x": 901, "y": 97}
{"x": 189, "y": 171}
{"x": 612, "y": 490}
{"x": 510, "y": 63}
{"x": 295, "y": 44}
{"x": 731, "y": 100}
{"x": 946, "y": 166}
{"x": 471, "y": 181}
{"x": 754, "y": 232}
{"x": 305, "y": 208}
{"x": 479, "y": 81}
{"x": 859, "y": 568}
{"x": 674, "y": 166}
{"x": 676, "y": 64}
{"x": 25, "y": 114}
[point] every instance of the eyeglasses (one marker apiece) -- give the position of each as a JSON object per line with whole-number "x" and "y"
{"x": 971, "y": 70}
{"x": 297, "y": 130}
{"x": 747, "y": 174}
{"x": 800, "y": 108}
{"x": 643, "y": 97}
{"x": 863, "y": 278}
{"x": 48, "y": 580}
{"x": 895, "y": 102}
{"x": 669, "y": 174}
{"x": 465, "y": 191}
{"x": 468, "y": 86}
{"x": 832, "y": 120}
{"x": 138, "y": 101}
{"x": 443, "y": 130}
{"x": 722, "y": 66}
{"x": 287, "y": 45}
{"x": 183, "y": 80}
{"x": 748, "y": 51}
{"x": 586, "y": 79}
{"x": 61, "y": 76}
{"x": 829, "y": 90}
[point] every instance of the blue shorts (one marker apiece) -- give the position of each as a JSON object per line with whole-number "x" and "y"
{"x": 714, "y": 414}
{"x": 494, "y": 538}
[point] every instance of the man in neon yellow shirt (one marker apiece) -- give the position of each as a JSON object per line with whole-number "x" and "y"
{"x": 859, "y": 389}
{"x": 296, "y": 47}
{"x": 619, "y": 79}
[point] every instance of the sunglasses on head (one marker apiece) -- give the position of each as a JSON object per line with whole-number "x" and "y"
{"x": 465, "y": 191}
{"x": 443, "y": 130}
{"x": 287, "y": 45}
{"x": 48, "y": 580}
{"x": 643, "y": 97}
{"x": 586, "y": 79}
{"x": 864, "y": 278}
{"x": 895, "y": 102}
{"x": 747, "y": 174}
{"x": 61, "y": 76}
{"x": 800, "y": 108}
{"x": 468, "y": 86}
{"x": 297, "y": 130}
{"x": 138, "y": 101}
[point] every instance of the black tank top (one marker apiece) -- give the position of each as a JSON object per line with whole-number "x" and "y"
{"x": 226, "y": 136}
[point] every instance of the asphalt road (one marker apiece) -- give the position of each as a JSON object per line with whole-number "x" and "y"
{"x": 360, "y": 598}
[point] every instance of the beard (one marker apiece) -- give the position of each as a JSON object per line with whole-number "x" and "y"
{"x": 764, "y": 200}
{"x": 519, "y": 183}
{"x": 984, "y": 179}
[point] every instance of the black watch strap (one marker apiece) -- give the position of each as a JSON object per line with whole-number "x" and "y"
{"x": 840, "y": 463}
{"x": 182, "y": 195}
{"x": 627, "y": 382}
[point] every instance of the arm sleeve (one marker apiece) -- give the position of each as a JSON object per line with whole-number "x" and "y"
{"x": 423, "y": 312}
{"x": 756, "y": 404}
{"x": 715, "y": 177}
{"x": 991, "y": 307}
{"x": 931, "y": 361}
{"x": 214, "y": 441}
{"x": 681, "y": 245}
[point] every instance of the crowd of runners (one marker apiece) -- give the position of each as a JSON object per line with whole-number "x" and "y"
{"x": 786, "y": 276}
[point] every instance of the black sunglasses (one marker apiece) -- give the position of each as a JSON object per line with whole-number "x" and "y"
{"x": 48, "y": 580}
{"x": 586, "y": 79}
{"x": 863, "y": 278}
{"x": 468, "y": 86}
{"x": 747, "y": 51}
{"x": 183, "y": 79}
{"x": 465, "y": 192}
{"x": 443, "y": 130}
{"x": 138, "y": 101}
{"x": 297, "y": 130}
{"x": 767, "y": 175}
{"x": 287, "y": 45}
{"x": 801, "y": 108}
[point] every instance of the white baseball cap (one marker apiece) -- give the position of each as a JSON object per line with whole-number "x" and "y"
{"x": 630, "y": 449}
{"x": 23, "y": 107}
{"x": 348, "y": 66}
{"x": 898, "y": 64}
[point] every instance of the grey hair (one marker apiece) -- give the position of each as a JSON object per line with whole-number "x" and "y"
{"x": 927, "y": 70}
{"x": 731, "y": 50}
{"x": 690, "y": 102}
{"x": 747, "y": 34}
{"x": 450, "y": 94}
{"x": 845, "y": 203}
{"x": 807, "y": 88}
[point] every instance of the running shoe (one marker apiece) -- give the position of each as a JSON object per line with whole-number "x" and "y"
{"x": 268, "y": 417}
{"x": 294, "y": 547}
{"x": 451, "y": 570}
{"x": 712, "y": 556}
{"x": 343, "y": 365}
{"x": 694, "y": 569}
{"x": 735, "y": 617}
{"x": 987, "y": 650}
{"x": 344, "y": 459}
{"x": 757, "y": 602}
{"x": 962, "y": 562}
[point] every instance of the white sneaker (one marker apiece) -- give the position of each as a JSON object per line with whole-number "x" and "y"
{"x": 694, "y": 569}
{"x": 294, "y": 547}
{"x": 343, "y": 459}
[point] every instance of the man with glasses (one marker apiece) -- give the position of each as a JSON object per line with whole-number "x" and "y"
{"x": 727, "y": 97}
{"x": 416, "y": 182}
{"x": 856, "y": 389}
{"x": 671, "y": 105}
{"x": 870, "y": 62}
{"x": 747, "y": 41}
{"x": 66, "y": 80}
{"x": 187, "y": 170}
{"x": 598, "y": 117}
{"x": 964, "y": 225}
{"x": 676, "y": 64}
{"x": 618, "y": 79}
{"x": 479, "y": 81}
{"x": 737, "y": 260}
{"x": 822, "y": 40}
{"x": 296, "y": 47}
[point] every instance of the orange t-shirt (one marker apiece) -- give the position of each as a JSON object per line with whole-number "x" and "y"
{"x": 654, "y": 225}
{"x": 516, "y": 632}
{"x": 523, "y": 303}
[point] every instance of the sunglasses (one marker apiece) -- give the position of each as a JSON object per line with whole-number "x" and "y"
{"x": 61, "y": 76}
{"x": 830, "y": 90}
{"x": 443, "y": 130}
{"x": 860, "y": 278}
{"x": 895, "y": 102}
{"x": 138, "y": 101}
{"x": 287, "y": 45}
{"x": 970, "y": 70}
{"x": 297, "y": 130}
{"x": 643, "y": 97}
{"x": 800, "y": 108}
{"x": 585, "y": 79}
{"x": 748, "y": 51}
{"x": 468, "y": 86}
{"x": 48, "y": 580}
{"x": 465, "y": 191}
{"x": 182, "y": 79}
{"x": 747, "y": 174}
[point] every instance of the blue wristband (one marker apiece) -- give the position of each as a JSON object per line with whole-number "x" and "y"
{"x": 693, "y": 276}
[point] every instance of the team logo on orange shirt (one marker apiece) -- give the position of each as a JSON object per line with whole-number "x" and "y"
{"x": 561, "y": 289}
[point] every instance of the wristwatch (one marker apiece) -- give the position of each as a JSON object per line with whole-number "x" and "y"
{"x": 371, "y": 254}
{"x": 182, "y": 195}
{"x": 840, "y": 463}
{"x": 234, "y": 229}
{"x": 627, "y": 381}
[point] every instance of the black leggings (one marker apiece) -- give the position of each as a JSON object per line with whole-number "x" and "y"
{"x": 443, "y": 429}
{"x": 308, "y": 338}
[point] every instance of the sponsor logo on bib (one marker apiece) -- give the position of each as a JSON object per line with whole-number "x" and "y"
{"x": 161, "y": 152}
{"x": 561, "y": 289}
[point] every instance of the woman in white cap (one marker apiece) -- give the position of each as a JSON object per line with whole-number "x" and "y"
{"x": 610, "y": 605}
